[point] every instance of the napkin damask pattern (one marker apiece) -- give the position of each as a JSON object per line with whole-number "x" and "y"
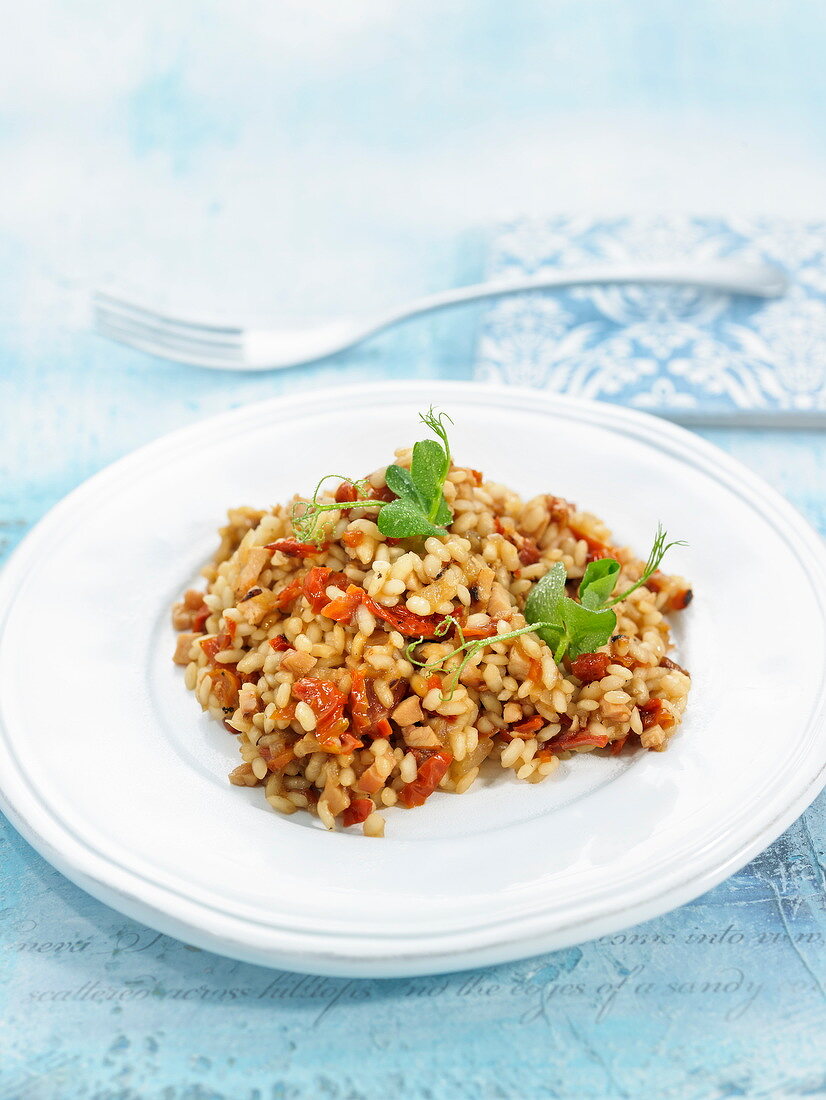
{"x": 665, "y": 349}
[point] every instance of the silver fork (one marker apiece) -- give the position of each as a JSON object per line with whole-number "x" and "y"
{"x": 227, "y": 347}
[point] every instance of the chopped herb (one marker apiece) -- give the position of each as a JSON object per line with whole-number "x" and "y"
{"x": 419, "y": 510}
{"x": 568, "y": 627}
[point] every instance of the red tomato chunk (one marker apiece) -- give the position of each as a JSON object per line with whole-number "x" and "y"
{"x": 358, "y": 810}
{"x": 316, "y": 583}
{"x": 591, "y": 666}
{"x": 295, "y": 549}
{"x": 327, "y": 703}
{"x": 428, "y": 777}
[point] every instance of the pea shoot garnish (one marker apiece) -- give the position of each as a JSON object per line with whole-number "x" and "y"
{"x": 306, "y": 514}
{"x": 572, "y": 628}
{"x": 419, "y": 509}
{"x": 569, "y": 627}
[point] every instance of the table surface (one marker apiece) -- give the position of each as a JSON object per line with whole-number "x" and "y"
{"x": 324, "y": 169}
{"x": 722, "y": 997}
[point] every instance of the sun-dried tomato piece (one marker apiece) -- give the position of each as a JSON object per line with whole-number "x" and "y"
{"x": 358, "y": 810}
{"x": 327, "y": 701}
{"x": 345, "y": 494}
{"x": 384, "y": 493}
{"x": 359, "y": 703}
{"x": 277, "y": 760}
{"x": 216, "y": 644}
{"x": 370, "y": 717}
{"x": 225, "y": 685}
{"x": 653, "y": 713}
{"x": 343, "y": 608}
{"x": 596, "y": 548}
{"x": 473, "y": 632}
{"x": 666, "y": 662}
{"x": 291, "y": 591}
{"x": 199, "y": 620}
{"x": 564, "y": 742}
{"x": 680, "y": 600}
{"x": 529, "y": 553}
{"x": 293, "y": 548}
{"x": 399, "y": 618}
{"x": 317, "y": 581}
{"x": 430, "y": 773}
{"x": 591, "y": 666}
{"x": 528, "y": 725}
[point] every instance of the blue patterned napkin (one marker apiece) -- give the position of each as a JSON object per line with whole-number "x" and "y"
{"x": 688, "y": 354}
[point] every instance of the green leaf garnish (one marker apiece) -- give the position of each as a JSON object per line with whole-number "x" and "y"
{"x": 658, "y": 552}
{"x": 400, "y": 481}
{"x": 584, "y": 629}
{"x": 306, "y": 514}
{"x": 404, "y": 518}
{"x": 598, "y": 582}
{"x": 568, "y": 628}
{"x": 545, "y": 596}
{"x": 419, "y": 510}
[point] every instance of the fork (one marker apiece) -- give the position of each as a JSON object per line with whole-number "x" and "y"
{"x": 229, "y": 347}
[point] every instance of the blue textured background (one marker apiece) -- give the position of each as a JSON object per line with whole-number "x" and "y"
{"x": 303, "y": 158}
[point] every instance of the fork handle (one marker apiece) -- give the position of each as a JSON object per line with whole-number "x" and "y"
{"x": 729, "y": 276}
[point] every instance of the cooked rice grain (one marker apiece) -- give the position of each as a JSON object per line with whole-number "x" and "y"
{"x": 252, "y": 643}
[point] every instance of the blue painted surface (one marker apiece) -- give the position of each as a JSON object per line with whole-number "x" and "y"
{"x": 305, "y": 158}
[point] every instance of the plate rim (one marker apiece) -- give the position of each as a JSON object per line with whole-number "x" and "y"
{"x": 344, "y": 955}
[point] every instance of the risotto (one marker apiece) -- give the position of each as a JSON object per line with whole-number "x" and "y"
{"x": 361, "y": 669}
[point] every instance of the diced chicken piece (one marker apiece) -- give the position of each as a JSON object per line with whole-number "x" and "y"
{"x": 184, "y": 612}
{"x": 182, "y": 648}
{"x": 257, "y": 558}
{"x": 484, "y": 584}
{"x": 181, "y": 616}
{"x": 248, "y": 700}
{"x": 421, "y": 737}
{"x": 335, "y": 798}
{"x": 298, "y": 663}
{"x": 254, "y": 609}
{"x": 499, "y": 603}
{"x": 559, "y": 510}
{"x": 512, "y": 712}
{"x": 373, "y": 778}
{"x": 654, "y": 738}
{"x": 408, "y": 712}
{"x": 243, "y": 776}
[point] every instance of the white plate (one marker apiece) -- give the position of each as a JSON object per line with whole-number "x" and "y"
{"x": 111, "y": 772}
